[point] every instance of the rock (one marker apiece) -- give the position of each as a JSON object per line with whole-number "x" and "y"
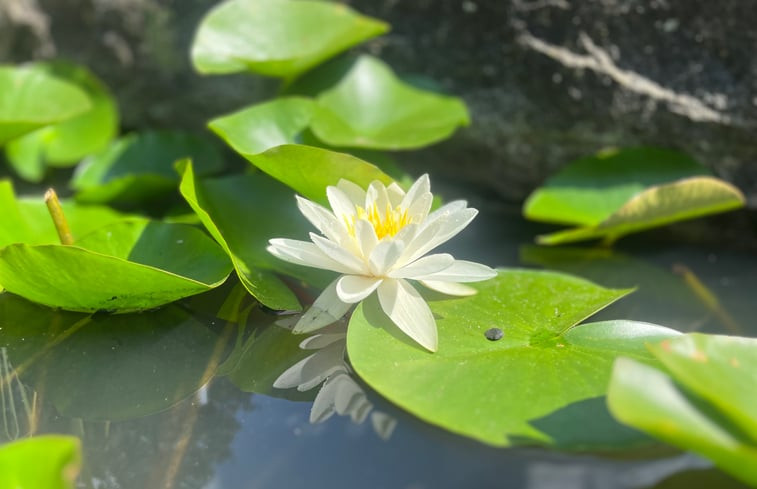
{"x": 547, "y": 81}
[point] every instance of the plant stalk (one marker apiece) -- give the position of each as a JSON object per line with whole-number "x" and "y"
{"x": 59, "y": 218}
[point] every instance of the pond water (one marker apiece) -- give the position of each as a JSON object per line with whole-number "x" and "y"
{"x": 180, "y": 398}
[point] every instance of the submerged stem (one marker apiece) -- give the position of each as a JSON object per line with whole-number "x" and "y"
{"x": 59, "y": 218}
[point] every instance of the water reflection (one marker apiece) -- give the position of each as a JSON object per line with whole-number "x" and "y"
{"x": 17, "y": 403}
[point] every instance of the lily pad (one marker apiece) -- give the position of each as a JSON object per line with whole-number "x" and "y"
{"x": 277, "y": 38}
{"x": 65, "y": 143}
{"x": 41, "y": 462}
{"x": 242, "y": 213}
{"x": 27, "y": 220}
{"x": 140, "y": 167}
{"x": 620, "y": 192}
{"x": 704, "y": 400}
{"x": 264, "y": 126}
{"x": 130, "y": 265}
{"x": 371, "y": 108}
{"x": 498, "y": 392}
{"x": 30, "y": 99}
{"x": 309, "y": 170}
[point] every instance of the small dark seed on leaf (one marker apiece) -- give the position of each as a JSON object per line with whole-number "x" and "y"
{"x": 494, "y": 334}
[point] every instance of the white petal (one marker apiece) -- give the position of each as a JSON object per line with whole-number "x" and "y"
{"x": 323, "y": 404}
{"x": 347, "y": 260}
{"x": 355, "y": 288}
{"x": 446, "y": 210}
{"x": 407, "y": 309}
{"x": 420, "y": 187}
{"x": 441, "y": 230}
{"x": 383, "y": 424}
{"x": 348, "y": 394}
{"x": 424, "y": 266}
{"x": 340, "y": 203}
{"x": 396, "y": 194}
{"x": 406, "y": 234}
{"x": 352, "y": 191}
{"x": 450, "y": 288}
{"x": 376, "y": 195}
{"x": 418, "y": 210}
{"x": 326, "y": 309}
{"x": 460, "y": 271}
{"x": 322, "y": 218}
{"x": 304, "y": 253}
{"x": 314, "y": 369}
{"x": 384, "y": 255}
{"x": 366, "y": 237}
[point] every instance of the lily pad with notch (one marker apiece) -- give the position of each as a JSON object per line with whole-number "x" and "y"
{"x": 500, "y": 392}
{"x": 131, "y": 265}
{"x": 31, "y": 99}
{"x": 619, "y": 192}
{"x": 277, "y": 38}
{"x": 41, "y": 462}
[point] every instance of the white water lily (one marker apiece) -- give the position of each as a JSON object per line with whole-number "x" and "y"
{"x": 378, "y": 239}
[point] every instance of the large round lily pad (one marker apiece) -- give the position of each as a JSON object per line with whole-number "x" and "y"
{"x": 130, "y": 265}
{"x": 503, "y": 392}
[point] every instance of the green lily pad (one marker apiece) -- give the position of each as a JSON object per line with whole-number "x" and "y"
{"x": 140, "y": 167}
{"x": 264, "y": 126}
{"x": 704, "y": 400}
{"x": 309, "y": 170}
{"x": 242, "y": 213}
{"x": 30, "y": 99}
{"x": 130, "y": 265}
{"x": 41, "y": 462}
{"x": 499, "y": 392}
{"x": 277, "y": 38}
{"x": 127, "y": 366}
{"x": 65, "y": 143}
{"x": 620, "y": 192}
{"x": 371, "y": 108}
{"x": 27, "y": 220}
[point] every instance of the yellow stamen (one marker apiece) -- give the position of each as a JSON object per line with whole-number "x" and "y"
{"x": 387, "y": 225}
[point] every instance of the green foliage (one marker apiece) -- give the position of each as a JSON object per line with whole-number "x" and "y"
{"x": 277, "y": 37}
{"x": 42, "y": 462}
{"x": 500, "y": 392}
{"x": 31, "y": 99}
{"x": 704, "y": 400}
{"x": 619, "y": 192}
{"x": 371, "y": 108}
{"x": 65, "y": 143}
{"x": 139, "y": 167}
{"x": 129, "y": 265}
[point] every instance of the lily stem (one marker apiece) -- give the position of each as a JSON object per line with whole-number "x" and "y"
{"x": 59, "y": 218}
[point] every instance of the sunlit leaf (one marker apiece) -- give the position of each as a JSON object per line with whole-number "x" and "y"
{"x": 42, "y": 462}
{"x": 505, "y": 392}
{"x": 371, "y": 108}
{"x": 139, "y": 167}
{"x": 65, "y": 143}
{"x": 30, "y": 99}
{"x": 703, "y": 400}
{"x": 309, "y": 170}
{"x": 275, "y": 37}
{"x": 620, "y": 192}
{"x": 127, "y": 266}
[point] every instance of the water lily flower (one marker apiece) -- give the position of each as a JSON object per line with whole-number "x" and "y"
{"x": 378, "y": 239}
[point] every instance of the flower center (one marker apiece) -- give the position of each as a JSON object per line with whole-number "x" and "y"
{"x": 387, "y": 224}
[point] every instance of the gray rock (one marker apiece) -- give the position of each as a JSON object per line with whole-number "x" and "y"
{"x": 547, "y": 81}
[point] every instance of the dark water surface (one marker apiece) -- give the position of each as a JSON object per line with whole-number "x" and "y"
{"x": 179, "y": 398}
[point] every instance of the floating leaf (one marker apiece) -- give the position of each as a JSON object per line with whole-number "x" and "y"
{"x": 65, "y": 143}
{"x": 127, "y": 266}
{"x": 620, "y": 192}
{"x": 27, "y": 220}
{"x": 309, "y": 170}
{"x": 242, "y": 213}
{"x": 30, "y": 99}
{"x": 277, "y": 38}
{"x": 41, "y": 462}
{"x": 139, "y": 167}
{"x": 371, "y": 108}
{"x": 263, "y": 126}
{"x": 499, "y": 392}
{"x": 704, "y": 401}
